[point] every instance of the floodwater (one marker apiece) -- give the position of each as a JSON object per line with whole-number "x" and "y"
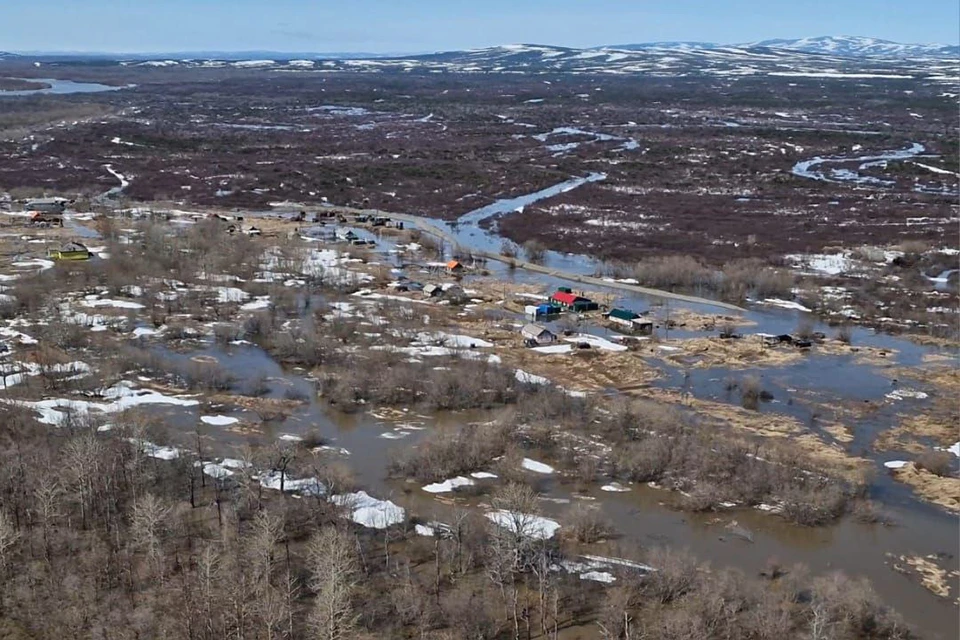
{"x": 741, "y": 538}
{"x": 63, "y": 87}
{"x": 467, "y": 229}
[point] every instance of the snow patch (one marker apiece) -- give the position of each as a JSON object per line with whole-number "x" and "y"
{"x": 531, "y": 526}
{"x": 449, "y": 485}
{"x": 218, "y": 421}
{"x": 369, "y": 511}
{"x": 537, "y": 467}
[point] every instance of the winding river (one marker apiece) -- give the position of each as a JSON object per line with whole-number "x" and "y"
{"x": 814, "y": 168}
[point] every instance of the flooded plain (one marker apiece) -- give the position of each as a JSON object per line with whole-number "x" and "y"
{"x": 743, "y": 538}
{"x": 815, "y": 389}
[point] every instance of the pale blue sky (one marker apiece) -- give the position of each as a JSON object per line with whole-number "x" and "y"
{"x": 432, "y": 25}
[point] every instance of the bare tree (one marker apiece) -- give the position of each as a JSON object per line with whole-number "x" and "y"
{"x": 147, "y": 527}
{"x": 81, "y": 461}
{"x": 515, "y": 545}
{"x": 48, "y": 497}
{"x": 208, "y": 576}
{"x": 264, "y": 535}
{"x": 8, "y": 538}
{"x": 333, "y": 566}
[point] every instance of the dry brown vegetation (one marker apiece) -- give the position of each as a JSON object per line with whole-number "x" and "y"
{"x": 94, "y": 534}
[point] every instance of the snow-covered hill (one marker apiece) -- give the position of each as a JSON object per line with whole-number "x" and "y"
{"x": 857, "y": 46}
{"x": 666, "y": 60}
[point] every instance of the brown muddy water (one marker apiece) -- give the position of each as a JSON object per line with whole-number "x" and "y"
{"x": 743, "y": 538}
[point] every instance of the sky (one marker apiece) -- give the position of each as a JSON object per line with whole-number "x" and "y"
{"x": 404, "y": 26}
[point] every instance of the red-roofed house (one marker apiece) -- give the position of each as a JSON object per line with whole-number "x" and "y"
{"x": 573, "y": 302}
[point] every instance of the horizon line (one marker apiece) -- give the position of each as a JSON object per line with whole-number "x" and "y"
{"x": 355, "y": 53}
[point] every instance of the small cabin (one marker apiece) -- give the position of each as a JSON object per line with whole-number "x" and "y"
{"x": 630, "y": 320}
{"x": 454, "y": 267}
{"x": 538, "y": 333}
{"x": 432, "y": 290}
{"x": 545, "y": 310}
{"x": 70, "y": 251}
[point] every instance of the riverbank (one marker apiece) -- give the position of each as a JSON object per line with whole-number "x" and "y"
{"x": 20, "y": 84}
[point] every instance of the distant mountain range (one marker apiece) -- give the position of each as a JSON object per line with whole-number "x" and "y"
{"x": 847, "y": 46}
{"x": 845, "y": 58}
{"x": 859, "y": 46}
{"x": 843, "y": 46}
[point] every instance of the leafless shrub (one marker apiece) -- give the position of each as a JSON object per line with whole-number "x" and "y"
{"x": 755, "y": 277}
{"x": 535, "y": 251}
{"x": 936, "y": 462}
{"x": 257, "y": 387}
{"x": 508, "y": 249}
{"x": 586, "y": 524}
{"x": 467, "y": 607}
{"x": 813, "y": 504}
{"x": 750, "y": 392}
{"x": 337, "y": 477}
{"x": 615, "y": 619}
{"x": 258, "y": 326}
{"x": 644, "y": 461}
{"x": 845, "y": 334}
{"x": 671, "y": 272}
{"x": 705, "y": 496}
{"x": 869, "y": 512}
{"x": 207, "y": 376}
{"x": 676, "y": 575}
{"x": 805, "y": 329}
{"x": 225, "y": 332}
{"x": 847, "y": 607}
{"x": 9, "y": 536}
{"x": 728, "y": 330}
{"x": 916, "y": 247}
{"x": 445, "y": 454}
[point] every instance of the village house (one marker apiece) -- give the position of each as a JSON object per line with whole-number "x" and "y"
{"x": 545, "y": 310}
{"x": 454, "y": 267}
{"x": 70, "y": 251}
{"x": 630, "y": 320}
{"x": 538, "y": 333}
{"x": 572, "y": 302}
{"x": 432, "y": 290}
